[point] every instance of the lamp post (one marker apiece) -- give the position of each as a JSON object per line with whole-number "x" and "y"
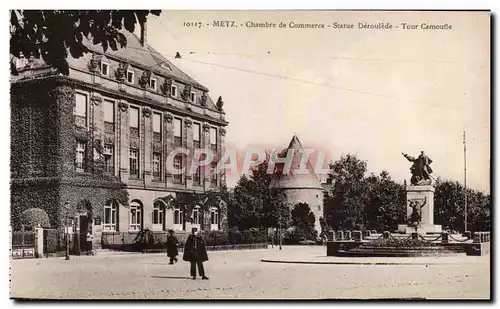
{"x": 66, "y": 228}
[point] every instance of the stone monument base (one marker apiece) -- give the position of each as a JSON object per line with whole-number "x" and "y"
{"x": 422, "y": 229}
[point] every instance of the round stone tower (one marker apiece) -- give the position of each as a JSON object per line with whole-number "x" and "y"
{"x": 300, "y": 184}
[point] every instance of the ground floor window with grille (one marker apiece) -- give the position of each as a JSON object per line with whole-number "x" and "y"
{"x": 179, "y": 219}
{"x": 157, "y": 166}
{"x": 110, "y": 216}
{"x": 158, "y": 216}
{"x": 134, "y": 163}
{"x": 135, "y": 217}
{"x": 109, "y": 159}
{"x": 81, "y": 147}
{"x": 214, "y": 219}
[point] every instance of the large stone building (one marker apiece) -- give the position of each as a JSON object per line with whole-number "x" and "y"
{"x": 300, "y": 187}
{"x": 81, "y": 143}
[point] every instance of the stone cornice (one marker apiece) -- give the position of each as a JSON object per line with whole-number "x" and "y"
{"x": 146, "y": 102}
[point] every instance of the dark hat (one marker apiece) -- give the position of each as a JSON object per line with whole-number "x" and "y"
{"x": 171, "y": 231}
{"x": 194, "y": 229}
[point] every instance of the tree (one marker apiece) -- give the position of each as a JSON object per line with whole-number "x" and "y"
{"x": 303, "y": 221}
{"x": 345, "y": 207}
{"x": 51, "y": 34}
{"x": 386, "y": 203}
{"x": 449, "y": 207}
{"x": 254, "y": 204}
{"x": 35, "y": 217}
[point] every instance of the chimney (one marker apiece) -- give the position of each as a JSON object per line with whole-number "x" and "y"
{"x": 144, "y": 33}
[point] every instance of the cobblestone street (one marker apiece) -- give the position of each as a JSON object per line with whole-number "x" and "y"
{"x": 242, "y": 274}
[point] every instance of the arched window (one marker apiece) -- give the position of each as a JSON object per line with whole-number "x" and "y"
{"x": 110, "y": 216}
{"x": 135, "y": 216}
{"x": 158, "y": 216}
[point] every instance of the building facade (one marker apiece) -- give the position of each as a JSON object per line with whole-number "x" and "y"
{"x": 93, "y": 146}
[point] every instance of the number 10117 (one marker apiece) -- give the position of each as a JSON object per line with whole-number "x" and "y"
{"x": 192, "y": 24}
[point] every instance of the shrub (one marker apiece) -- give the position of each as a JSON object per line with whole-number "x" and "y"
{"x": 401, "y": 243}
{"x": 35, "y": 216}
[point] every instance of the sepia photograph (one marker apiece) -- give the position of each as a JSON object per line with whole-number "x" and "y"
{"x": 250, "y": 155}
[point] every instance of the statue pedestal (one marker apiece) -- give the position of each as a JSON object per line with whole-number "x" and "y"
{"x": 421, "y": 195}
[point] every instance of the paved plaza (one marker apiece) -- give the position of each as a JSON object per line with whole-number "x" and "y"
{"x": 243, "y": 275}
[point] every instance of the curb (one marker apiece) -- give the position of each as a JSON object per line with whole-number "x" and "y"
{"x": 352, "y": 263}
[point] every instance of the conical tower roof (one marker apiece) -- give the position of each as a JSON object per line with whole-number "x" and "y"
{"x": 296, "y": 178}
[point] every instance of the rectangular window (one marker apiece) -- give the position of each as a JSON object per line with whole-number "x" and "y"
{"x": 130, "y": 76}
{"x": 81, "y": 148}
{"x": 213, "y": 139}
{"x": 197, "y": 176}
{"x": 134, "y": 122}
{"x": 192, "y": 97}
{"x": 196, "y": 216}
{"x": 177, "y": 166}
{"x": 196, "y": 135}
{"x": 80, "y": 110}
{"x": 134, "y": 163}
{"x": 152, "y": 84}
{"x": 214, "y": 216}
{"x": 135, "y": 218}
{"x": 173, "y": 91}
{"x": 109, "y": 159}
{"x": 109, "y": 116}
{"x": 178, "y": 216}
{"x": 110, "y": 217}
{"x": 213, "y": 174}
{"x": 156, "y": 127}
{"x": 157, "y": 165}
{"x": 177, "y": 132}
{"x": 158, "y": 215}
{"x": 104, "y": 69}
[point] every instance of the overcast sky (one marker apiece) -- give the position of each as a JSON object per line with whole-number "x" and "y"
{"x": 380, "y": 92}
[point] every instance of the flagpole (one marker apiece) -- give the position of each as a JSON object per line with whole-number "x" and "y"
{"x": 465, "y": 180}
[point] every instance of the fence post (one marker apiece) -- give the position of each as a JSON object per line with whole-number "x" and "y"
{"x": 414, "y": 236}
{"x": 357, "y": 236}
{"x": 39, "y": 242}
{"x": 444, "y": 237}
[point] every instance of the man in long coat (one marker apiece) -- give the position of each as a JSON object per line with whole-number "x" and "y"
{"x": 172, "y": 244}
{"x": 195, "y": 253}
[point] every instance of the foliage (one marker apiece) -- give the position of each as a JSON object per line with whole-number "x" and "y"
{"x": 449, "y": 203}
{"x": 401, "y": 243}
{"x": 386, "y": 205}
{"x": 233, "y": 237}
{"x": 303, "y": 222}
{"x": 205, "y": 201}
{"x": 345, "y": 207}
{"x": 254, "y": 204}
{"x": 34, "y": 217}
{"x": 51, "y": 34}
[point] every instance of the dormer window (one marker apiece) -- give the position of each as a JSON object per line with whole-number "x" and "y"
{"x": 130, "y": 76}
{"x": 173, "y": 91}
{"x": 104, "y": 69}
{"x": 192, "y": 97}
{"x": 152, "y": 84}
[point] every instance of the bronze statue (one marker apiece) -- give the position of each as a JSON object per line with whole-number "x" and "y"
{"x": 420, "y": 170}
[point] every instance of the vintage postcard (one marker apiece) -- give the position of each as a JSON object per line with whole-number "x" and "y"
{"x": 167, "y": 154}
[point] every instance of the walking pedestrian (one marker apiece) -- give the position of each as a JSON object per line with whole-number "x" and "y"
{"x": 195, "y": 253}
{"x": 172, "y": 244}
